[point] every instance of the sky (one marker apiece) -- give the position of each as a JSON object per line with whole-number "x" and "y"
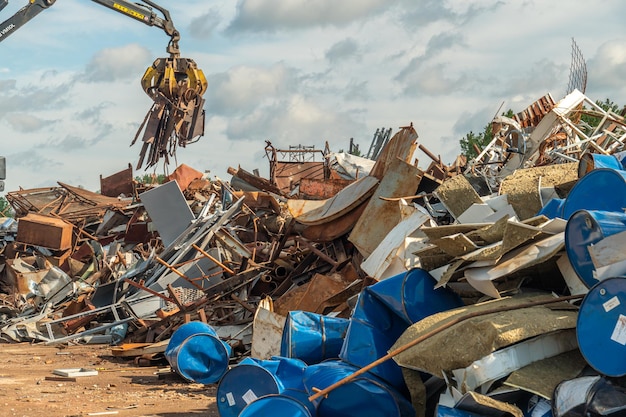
{"x": 292, "y": 72}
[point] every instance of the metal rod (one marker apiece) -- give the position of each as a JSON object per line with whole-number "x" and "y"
{"x": 216, "y": 261}
{"x": 146, "y": 289}
{"x": 177, "y": 272}
{"x": 324, "y": 392}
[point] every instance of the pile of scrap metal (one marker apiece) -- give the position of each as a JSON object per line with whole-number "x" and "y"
{"x": 479, "y": 302}
{"x": 495, "y": 286}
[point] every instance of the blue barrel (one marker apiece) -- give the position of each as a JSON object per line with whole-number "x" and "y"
{"x": 365, "y": 344}
{"x": 370, "y": 309}
{"x": 312, "y": 337}
{"x": 412, "y": 295}
{"x": 601, "y": 327}
{"x": 590, "y": 161}
{"x": 443, "y": 411}
{"x": 585, "y": 228}
{"x": 373, "y": 329}
{"x": 363, "y": 396}
{"x": 553, "y": 208}
{"x": 601, "y": 189}
{"x": 197, "y": 354}
{"x": 255, "y": 378}
{"x": 276, "y": 405}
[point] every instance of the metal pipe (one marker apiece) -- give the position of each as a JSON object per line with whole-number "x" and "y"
{"x": 321, "y": 393}
{"x": 177, "y": 272}
{"x": 216, "y": 261}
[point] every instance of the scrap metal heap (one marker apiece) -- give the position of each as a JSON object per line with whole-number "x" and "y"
{"x": 454, "y": 290}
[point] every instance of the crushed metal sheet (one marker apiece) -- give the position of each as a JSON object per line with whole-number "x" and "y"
{"x": 455, "y": 245}
{"x": 457, "y": 195}
{"x": 381, "y": 216}
{"x": 401, "y": 146}
{"x": 522, "y": 258}
{"x": 379, "y": 260}
{"x": 542, "y": 377}
{"x": 511, "y": 358}
{"x": 486, "y": 406}
{"x": 488, "y": 333}
{"x": 522, "y": 188}
{"x": 334, "y": 207}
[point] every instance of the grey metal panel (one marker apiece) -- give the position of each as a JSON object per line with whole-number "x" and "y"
{"x": 168, "y": 209}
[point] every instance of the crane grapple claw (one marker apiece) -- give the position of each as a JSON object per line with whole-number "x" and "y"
{"x": 176, "y": 85}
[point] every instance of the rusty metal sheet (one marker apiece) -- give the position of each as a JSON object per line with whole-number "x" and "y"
{"x": 258, "y": 199}
{"x": 401, "y": 146}
{"x": 320, "y": 288}
{"x": 381, "y": 216}
{"x": 324, "y": 211}
{"x": 184, "y": 175}
{"x": 118, "y": 183}
{"x": 335, "y": 228}
{"x": 22, "y": 272}
{"x": 319, "y": 189}
{"x": 287, "y": 175}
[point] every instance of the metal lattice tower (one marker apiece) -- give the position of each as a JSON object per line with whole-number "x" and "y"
{"x": 577, "y": 71}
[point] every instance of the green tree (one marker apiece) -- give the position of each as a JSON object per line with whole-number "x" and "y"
{"x": 151, "y": 179}
{"x": 471, "y": 140}
{"x": 5, "y": 208}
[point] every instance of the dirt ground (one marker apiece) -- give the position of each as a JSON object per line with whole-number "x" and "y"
{"x": 121, "y": 388}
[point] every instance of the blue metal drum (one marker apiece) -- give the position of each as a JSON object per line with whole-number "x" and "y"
{"x": 443, "y": 411}
{"x": 276, "y": 405}
{"x": 601, "y": 327}
{"x": 590, "y": 161}
{"x": 254, "y": 378}
{"x": 553, "y": 208}
{"x": 412, "y": 295}
{"x": 601, "y": 189}
{"x": 363, "y": 396}
{"x": 197, "y": 354}
{"x": 373, "y": 329}
{"x": 585, "y": 228}
{"x": 365, "y": 344}
{"x": 312, "y": 337}
{"x": 371, "y": 310}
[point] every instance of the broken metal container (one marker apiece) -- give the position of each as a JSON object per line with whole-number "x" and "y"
{"x": 254, "y": 378}
{"x": 590, "y": 161}
{"x": 412, "y": 295}
{"x": 585, "y": 228}
{"x": 312, "y": 337}
{"x": 601, "y": 327}
{"x": 589, "y": 396}
{"x": 373, "y": 329}
{"x": 365, "y": 395}
{"x": 197, "y": 354}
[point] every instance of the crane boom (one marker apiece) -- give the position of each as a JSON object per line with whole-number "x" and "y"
{"x": 137, "y": 11}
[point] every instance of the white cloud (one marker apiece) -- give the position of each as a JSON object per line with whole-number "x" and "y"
{"x": 272, "y": 15}
{"x": 26, "y": 123}
{"x": 607, "y": 68}
{"x": 112, "y": 64}
{"x": 244, "y": 88}
{"x": 342, "y": 50}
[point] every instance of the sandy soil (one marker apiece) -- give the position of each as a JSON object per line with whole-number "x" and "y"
{"x": 121, "y": 388}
